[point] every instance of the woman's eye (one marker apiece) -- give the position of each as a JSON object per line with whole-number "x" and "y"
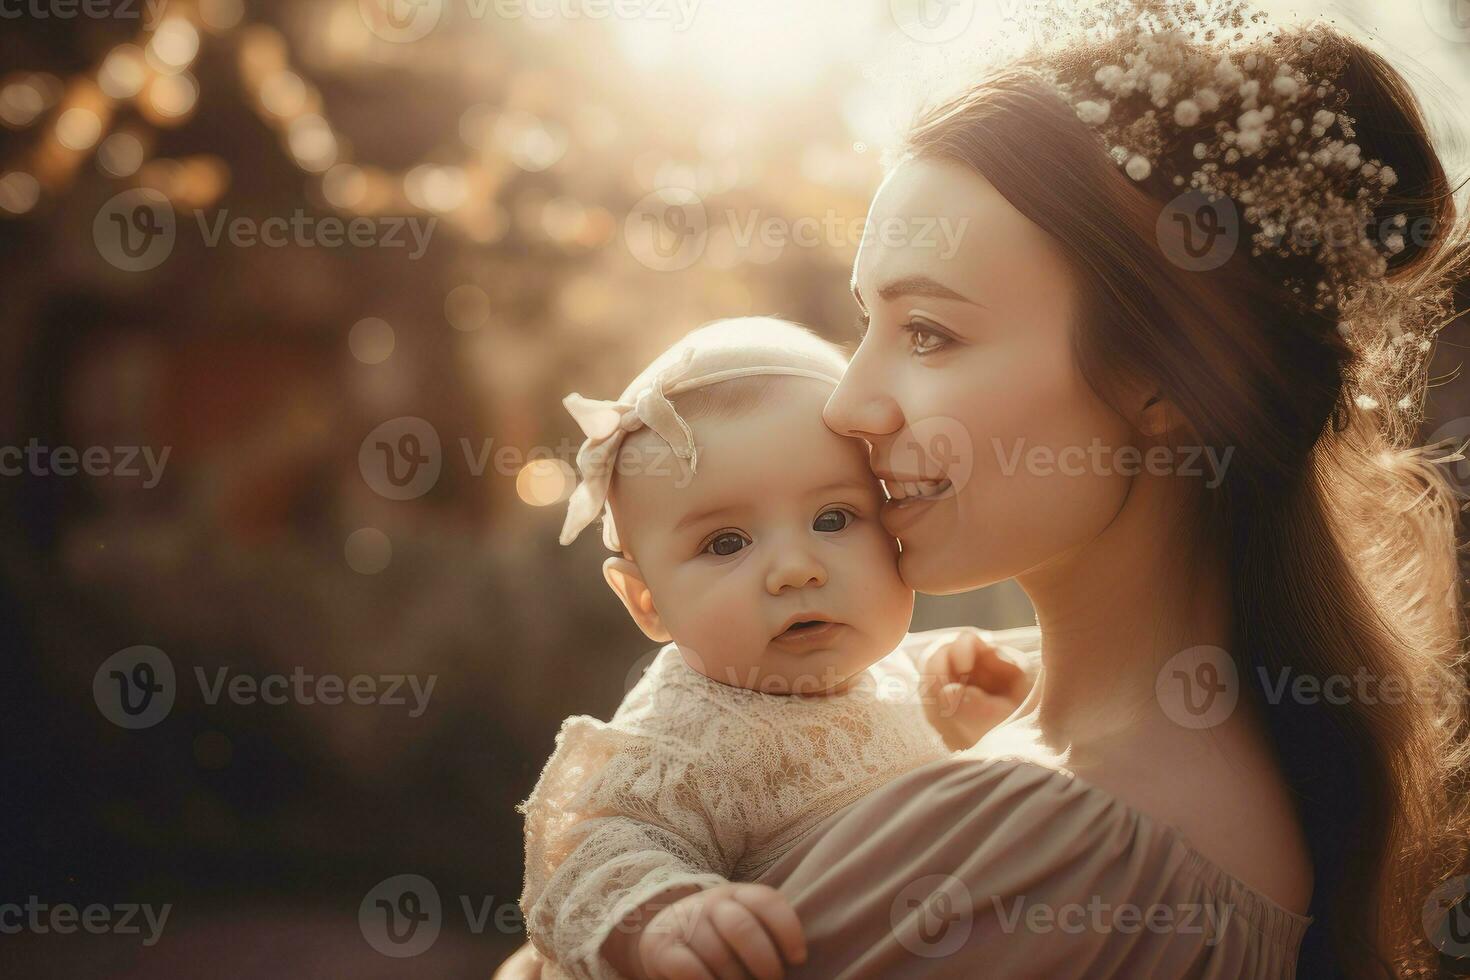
{"x": 725, "y": 543}
{"x": 924, "y": 340}
{"x": 832, "y": 520}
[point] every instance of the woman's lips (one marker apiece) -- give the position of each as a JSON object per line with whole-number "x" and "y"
{"x": 904, "y": 508}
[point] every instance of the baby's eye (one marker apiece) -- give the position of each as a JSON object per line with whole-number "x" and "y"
{"x": 725, "y": 543}
{"x": 832, "y": 520}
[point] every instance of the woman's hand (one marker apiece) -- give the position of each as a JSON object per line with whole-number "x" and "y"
{"x": 524, "y": 964}
{"x": 970, "y": 686}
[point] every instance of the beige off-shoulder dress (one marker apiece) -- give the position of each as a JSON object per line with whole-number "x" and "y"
{"x": 974, "y": 867}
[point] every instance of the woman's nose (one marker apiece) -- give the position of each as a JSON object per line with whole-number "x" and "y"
{"x": 795, "y": 566}
{"x": 861, "y": 407}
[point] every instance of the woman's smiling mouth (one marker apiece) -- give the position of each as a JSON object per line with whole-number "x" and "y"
{"x": 916, "y": 489}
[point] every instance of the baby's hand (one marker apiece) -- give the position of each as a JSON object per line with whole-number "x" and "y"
{"x": 733, "y": 930}
{"x": 973, "y": 685}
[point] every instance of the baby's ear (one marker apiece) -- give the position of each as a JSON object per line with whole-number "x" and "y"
{"x": 626, "y": 579}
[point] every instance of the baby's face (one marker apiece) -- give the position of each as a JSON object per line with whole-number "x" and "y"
{"x": 779, "y": 524}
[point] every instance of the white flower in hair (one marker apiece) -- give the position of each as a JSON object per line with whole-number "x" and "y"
{"x": 1158, "y": 86}
{"x": 1110, "y": 77}
{"x": 1093, "y": 113}
{"x": 1227, "y": 74}
{"x": 1286, "y": 87}
{"x": 1283, "y": 146}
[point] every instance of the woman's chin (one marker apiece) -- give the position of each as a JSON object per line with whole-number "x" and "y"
{"x": 935, "y": 570}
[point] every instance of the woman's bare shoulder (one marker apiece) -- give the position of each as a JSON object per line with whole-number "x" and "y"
{"x": 1223, "y": 792}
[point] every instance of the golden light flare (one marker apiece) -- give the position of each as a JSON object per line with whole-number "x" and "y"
{"x": 174, "y": 45}
{"x": 170, "y": 99}
{"x": 123, "y": 72}
{"x": 545, "y": 482}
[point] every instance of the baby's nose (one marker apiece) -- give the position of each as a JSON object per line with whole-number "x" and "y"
{"x": 795, "y": 567}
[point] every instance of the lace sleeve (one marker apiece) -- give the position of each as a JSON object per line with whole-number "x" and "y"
{"x": 616, "y": 819}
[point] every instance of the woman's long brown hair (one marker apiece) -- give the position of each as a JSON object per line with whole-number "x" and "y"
{"x": 1338, "y": 532}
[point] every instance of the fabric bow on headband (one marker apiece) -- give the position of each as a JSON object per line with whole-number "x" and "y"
{"x": 607, "y": 423}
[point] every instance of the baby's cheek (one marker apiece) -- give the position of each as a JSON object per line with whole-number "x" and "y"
{"x": 726, "y": 624}
{"x": 889, "y": 601}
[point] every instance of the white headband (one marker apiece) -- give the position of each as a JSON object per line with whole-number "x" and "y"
{"x": 607, "y": 423}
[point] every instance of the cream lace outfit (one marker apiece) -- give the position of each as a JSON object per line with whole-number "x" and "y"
{"x": 698, "y": 782}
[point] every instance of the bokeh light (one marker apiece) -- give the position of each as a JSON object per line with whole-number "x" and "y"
{"x": 543, "y": 482}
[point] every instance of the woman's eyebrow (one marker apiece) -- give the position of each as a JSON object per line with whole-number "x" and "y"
{"x": 915, "y": 286}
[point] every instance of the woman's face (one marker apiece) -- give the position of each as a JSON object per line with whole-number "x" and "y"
{"x": 966, "y": 375}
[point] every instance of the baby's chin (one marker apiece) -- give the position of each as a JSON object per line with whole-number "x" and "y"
{"x": 817, "y": 673}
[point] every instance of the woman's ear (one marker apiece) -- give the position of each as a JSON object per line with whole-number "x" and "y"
{"x": 1160, "y": 417}
{"x": 626, "y": 579}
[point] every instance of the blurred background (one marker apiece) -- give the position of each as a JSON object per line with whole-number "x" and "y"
{"x": 289, "y": 296}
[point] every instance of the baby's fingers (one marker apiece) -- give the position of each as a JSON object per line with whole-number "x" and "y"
{"x": 988, "y": 668}
{"x": 680, "y": 963}
{"x": 747, "y": 937}
{"x": 777, "y": 915}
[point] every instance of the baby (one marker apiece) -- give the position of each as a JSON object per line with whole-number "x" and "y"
{"x": 785, "y": 694}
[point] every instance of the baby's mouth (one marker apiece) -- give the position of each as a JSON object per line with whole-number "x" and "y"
{"x": 802, "y": 628}
{"x": 920, "y": 489}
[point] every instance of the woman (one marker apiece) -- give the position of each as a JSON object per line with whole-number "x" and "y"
{"x": 1202, "y": 474}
